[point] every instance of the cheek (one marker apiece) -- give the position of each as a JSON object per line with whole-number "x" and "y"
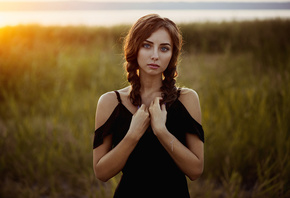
{"x": 141, "y": 55}
{"x": 167, "y": 58}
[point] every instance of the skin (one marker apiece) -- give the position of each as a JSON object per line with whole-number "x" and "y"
{"x": 108, "y": 162}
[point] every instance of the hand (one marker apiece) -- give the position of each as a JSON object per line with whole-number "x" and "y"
{"x": 158, "y": 115}
{"x": 140, "y": 122}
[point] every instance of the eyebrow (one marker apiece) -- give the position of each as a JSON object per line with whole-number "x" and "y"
{"x": 160, "y": 44}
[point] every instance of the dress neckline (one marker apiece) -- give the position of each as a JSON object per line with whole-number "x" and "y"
{"x": 126, "y": 109}
{"x": 120, "y": 103}
{"x": 176, "y": 101}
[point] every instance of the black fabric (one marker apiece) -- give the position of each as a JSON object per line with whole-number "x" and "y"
{"x": 118, "y": 97}
{"x": 149, "y": 170}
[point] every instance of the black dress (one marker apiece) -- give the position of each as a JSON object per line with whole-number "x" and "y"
{"x": 150, "y": 171}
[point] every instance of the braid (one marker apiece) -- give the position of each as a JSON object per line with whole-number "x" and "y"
{"x": 134, "y": 80}
{"x": 169, "y": 90}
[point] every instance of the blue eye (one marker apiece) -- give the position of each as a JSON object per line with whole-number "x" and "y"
{"x": 146, "y": 46}
{"x": 164, "y": 49}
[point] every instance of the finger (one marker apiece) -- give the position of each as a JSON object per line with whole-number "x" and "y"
{"x": 152, "y": 103}
{"x": 146, "y": 109}
{"x": 163, "y": 107}
{"x": 157, "y": 101}
{"x": 151, "y": 107}
{"x": 143, "y": 107}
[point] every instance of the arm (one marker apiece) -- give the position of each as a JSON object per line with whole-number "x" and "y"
{"x": 189, "y": 159}
{"x": 108, "y": 162}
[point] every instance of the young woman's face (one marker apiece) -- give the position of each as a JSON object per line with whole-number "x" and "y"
{"x": 155, "y": 53}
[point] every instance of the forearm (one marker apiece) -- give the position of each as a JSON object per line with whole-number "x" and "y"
{"x": 190, "y": 164}
{"x": 114, "y": 161}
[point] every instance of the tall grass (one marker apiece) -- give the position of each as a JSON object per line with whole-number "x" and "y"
{"x": 51, "y": 78}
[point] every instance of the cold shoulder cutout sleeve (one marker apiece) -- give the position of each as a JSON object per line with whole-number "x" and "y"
{"x": 189, "y": 124}
{"x": 106, "y": 129}
{"x": 193, "y": 127}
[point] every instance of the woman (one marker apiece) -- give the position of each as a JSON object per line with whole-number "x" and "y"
{"x": 151, "y": 130}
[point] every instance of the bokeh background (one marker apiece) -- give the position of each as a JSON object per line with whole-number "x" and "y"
{"x": 51, "y": 77}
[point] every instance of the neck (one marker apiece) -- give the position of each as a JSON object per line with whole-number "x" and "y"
{"x": 150, "y": 84}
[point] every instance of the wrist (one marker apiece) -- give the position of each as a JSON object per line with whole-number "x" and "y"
{"x": 131, "y": 138}
{"x": 160, "y": 130}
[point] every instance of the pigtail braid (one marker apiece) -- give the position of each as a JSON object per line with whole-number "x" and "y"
{"x": 134, "y": 80}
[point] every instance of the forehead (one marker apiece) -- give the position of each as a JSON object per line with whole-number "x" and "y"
{"x": 160, "y": 36}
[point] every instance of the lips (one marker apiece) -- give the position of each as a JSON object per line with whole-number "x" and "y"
{"x": 153, "y": 66}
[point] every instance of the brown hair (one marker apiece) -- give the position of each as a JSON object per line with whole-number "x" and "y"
{"x": 138, "y": 33}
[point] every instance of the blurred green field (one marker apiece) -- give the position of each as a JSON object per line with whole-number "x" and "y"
{"x": 51, "y": 79}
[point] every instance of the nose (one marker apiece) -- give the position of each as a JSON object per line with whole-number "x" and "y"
{"x": 155, "y": 55}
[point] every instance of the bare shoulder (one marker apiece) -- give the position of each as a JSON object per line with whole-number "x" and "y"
{"x": 106, "y": 105}
{"x": 189, "y": 98}
{"x": 125, "y": 91}
{"x": 188, "y": 95}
